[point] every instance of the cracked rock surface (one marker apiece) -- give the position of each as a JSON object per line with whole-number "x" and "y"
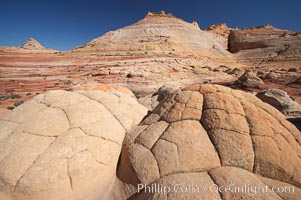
{"x": 65, "y": 145}
{"x": 211, "y": 134}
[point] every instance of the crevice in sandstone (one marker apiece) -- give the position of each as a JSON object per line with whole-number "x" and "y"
{"x": 114, "y": 94}
{"x": 180, "y": 120}
{"x": 171, "y": 107}
{"x": 67, "y": 117}
{"x": 99, "y": 137}
{"x": 39, "y": 135}
{"x": 270, "y": 188}
{"x": 215, "y": 182}
{"x": 37, "y": 158}
{"x": 211, "y": 140}
{"x": 6, "y": 120}
{"x": 226, "y": 129}
{"x": 101, "y": 163}
{"x": 250, "y": 134}
{"x": 236, "y": 96}
{"x": 265, "y": 111}
{"x": 160, "y": 135}
{"x": 224, "y": 111}
{"x": 290, "y": 133}
{"x": 157, "y": 163}
{"x": 89, "y": 150}
{"x": 69, "y": 175}
{"x": 142, "y": 145}
{"x": 175, "y": 146}
{"x": 290, "y": 180}
{"x": 253, "y": 146}
{"x": 48, "y": 105}
{"x": 215, "y": 149}
{"x": 279, "y": 150}
{"x": 254, "y": 160}
{"x": 280, "y": 122}
{"x": 279, "y": 161}
{"x": 107, "y": 110}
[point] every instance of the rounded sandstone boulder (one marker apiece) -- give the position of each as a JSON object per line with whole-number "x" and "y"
{"x": 65, "y": 145}
{"x": 206, "y": 135}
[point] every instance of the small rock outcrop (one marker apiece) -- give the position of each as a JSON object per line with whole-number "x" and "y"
{"x": 280, "y": 100}
{"x": 211, "y": 134}
{"x": 220, "y": 29}
{"x": 250, "y": 80}
{"x": 152, "y": 100}
{"x": 65, "y": 145}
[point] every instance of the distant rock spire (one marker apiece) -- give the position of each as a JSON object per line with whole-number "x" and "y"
{"x": 32, "y": 44}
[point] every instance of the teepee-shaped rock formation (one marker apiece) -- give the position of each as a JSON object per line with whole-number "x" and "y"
{"x": 32, "y": 44}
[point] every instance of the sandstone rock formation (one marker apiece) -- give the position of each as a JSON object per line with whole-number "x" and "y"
{"x": 65, "y": 145}
{"x": 220, "y": 29}
{"x": 105, "y": 88}
{"x": 152, "y": 100}
{"x": 280, "y": 100}
{"x": 154, "y": 51}
{"x": 266, "y": 45}
{"x": 30, "y": 46}
{"x": 249, "y": 80}
{"x": 210, "y": 134}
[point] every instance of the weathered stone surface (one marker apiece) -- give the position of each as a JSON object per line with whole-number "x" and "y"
{"x": 250, "y": 80}
{"x": 232, "y": 183}
{"x": 236, "y": 138}
{"x": 64, "y": 145}
{"x": 196, "y": 129}
{"x": 152, "y": 100}
{"x": 265, "y": 43}
{"x": 151, "y": 134}
{"x": 280, "y": 100}
{"x": 167, "y": 89}
{"x": 181, "y": 186}
{"x": 282, "y": 189}
{"x": 234, "y": 149}
{"x": 155, "y": 51}
{"x": 191, "y": 139}
{"x": 159, "y": 49}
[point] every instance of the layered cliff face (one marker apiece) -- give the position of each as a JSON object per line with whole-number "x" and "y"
{"x": 156, "y": 50}
{"x": 159, "y": 49}
{"x": 266, "y": 44}
{"x": 157, "y": 34}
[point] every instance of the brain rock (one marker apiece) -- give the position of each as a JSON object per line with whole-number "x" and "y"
{"x": 210, "y": 134}
{"x": 65, "y": 145}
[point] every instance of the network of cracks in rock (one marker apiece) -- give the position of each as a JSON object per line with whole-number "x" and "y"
{"x": 66, "y": 138}
{"x": 208, "y": 131}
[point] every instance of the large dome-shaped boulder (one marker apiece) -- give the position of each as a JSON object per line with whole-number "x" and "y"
{"x": 210, "y": 135}
{"x": 65, "y": 145}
